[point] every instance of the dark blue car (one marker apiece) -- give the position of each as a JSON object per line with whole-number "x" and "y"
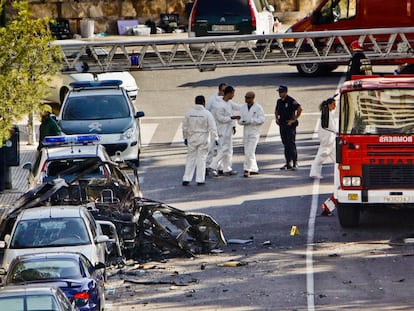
{"x": 82, "y": 282}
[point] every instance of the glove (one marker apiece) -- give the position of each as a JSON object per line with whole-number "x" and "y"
{"x": 217, "y": 142}
{"x": 186, "y": 142}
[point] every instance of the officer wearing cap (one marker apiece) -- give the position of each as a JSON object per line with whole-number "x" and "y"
{"x": 48, "y": 125}
{"x": 287, "y": 113}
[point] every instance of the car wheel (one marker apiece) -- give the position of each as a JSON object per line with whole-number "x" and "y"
{"x": 348, "y": 215}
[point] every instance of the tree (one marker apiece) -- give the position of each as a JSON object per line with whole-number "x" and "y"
{"x": 27, "y": 61}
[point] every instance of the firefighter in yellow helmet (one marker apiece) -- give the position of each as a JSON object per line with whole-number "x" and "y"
{"x": 48, "y": 125}
{"x": 359, "y": 64}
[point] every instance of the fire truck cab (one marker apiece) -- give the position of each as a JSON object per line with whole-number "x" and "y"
{"x": 374, "y": 146}
{"x": 353, "y": 14}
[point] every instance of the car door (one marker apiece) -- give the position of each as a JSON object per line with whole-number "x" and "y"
{"x": 100, "y": 244}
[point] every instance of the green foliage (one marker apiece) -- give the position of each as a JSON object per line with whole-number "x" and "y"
{"x": 27, "y": 58}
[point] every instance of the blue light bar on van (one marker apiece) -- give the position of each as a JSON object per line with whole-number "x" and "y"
{"x": 79, "y": 84}
{"x": 69, "y": 139}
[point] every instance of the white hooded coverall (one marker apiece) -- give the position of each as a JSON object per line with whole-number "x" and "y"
{"x": 198, "y": 127}
{"x": 252, "y": 120}
{"x": 222, "y": 111}
{"x": 327, "y": 146}
{"x": 210, "y": 103}
{"x": 212, "y": 100}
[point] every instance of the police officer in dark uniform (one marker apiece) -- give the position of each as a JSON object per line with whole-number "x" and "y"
{"x": 287, "y": 113}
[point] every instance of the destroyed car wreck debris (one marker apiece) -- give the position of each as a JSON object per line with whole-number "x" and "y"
{"x": 144, "y": 228}
{"x": 168, "y": 227}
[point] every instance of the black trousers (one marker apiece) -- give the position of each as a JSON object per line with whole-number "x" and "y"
{"x": 288, "y": 135}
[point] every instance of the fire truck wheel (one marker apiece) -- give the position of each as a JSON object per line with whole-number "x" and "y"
{"x": 314, "y": 69}
{"x": 348, "y": 215}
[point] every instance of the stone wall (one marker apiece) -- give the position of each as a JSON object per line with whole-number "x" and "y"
{"x": 105, "y": 13}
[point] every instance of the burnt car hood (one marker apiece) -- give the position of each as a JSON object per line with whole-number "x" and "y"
{"x": 103, "y": 126}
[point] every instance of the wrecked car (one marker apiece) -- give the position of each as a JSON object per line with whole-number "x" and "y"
{"x": 145, "y": 228}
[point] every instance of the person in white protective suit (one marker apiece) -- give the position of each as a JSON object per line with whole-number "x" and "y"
{"x": 216, "y": 96}
{"x": 327, "y": 140}
{"x": 226, "y": 128}
{"x": 211, "y": 101}
{"x": 198, "y": 128}
{"x": 251, "y": 118}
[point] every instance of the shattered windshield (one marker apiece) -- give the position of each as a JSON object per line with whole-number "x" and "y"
{"x": 50, "y": 232}
{"x": 69, "y": 169}
{"x": 383, "y": 111}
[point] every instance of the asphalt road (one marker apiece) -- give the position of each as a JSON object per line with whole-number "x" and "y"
{"x": 323, "y": 267}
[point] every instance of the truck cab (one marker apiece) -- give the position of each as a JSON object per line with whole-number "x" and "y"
{"x": 331, "y": 15}
{"x": 374, "y": 146}
{"x": 357, "y": 14}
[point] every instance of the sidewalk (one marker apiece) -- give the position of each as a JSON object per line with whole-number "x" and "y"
{"x": 18, "y": 174}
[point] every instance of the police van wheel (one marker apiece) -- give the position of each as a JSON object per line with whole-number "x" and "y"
{"x": 348, "y": 215}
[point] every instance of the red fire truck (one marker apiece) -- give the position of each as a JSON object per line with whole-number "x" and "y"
{"x": 354, "y": 14}
{"x": 374, "y": 145}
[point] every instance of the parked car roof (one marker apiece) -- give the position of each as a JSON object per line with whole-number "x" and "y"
{"x": 34, "y": 298}
{"x": 60, "y": 83}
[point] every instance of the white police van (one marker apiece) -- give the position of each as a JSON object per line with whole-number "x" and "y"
{"x": 105, "y": 109}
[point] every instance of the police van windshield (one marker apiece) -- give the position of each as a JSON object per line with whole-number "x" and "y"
{"x": 96, "y": 108}
{"x": 382, "y": 111}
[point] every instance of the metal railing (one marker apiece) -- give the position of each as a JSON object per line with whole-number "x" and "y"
{"x": 207, "y": 53}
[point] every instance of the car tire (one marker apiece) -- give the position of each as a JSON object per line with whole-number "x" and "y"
{"x": 314, "y": 69}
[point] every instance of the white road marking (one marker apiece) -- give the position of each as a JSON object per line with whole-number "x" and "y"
{"x": 310, "y": 283}
{"x": 273, "y": 133}
{"x": 310, "y": 290}
{"x": 178, "y": 137}
{"x": 316, "y": 130}
{"x": 147, "y": 132}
